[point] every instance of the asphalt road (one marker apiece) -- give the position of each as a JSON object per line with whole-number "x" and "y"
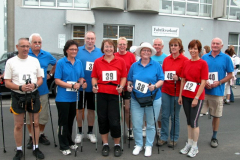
{"x": 228, "y": 137}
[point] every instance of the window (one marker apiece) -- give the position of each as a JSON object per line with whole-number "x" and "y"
{"x": 234, "y": 39}
{"x": 202, "y": 8}
{"x": 57, "y": 3}
{"x": 115, "y": 31}
{"x": 233, "y": 9}
{"x": 78, "y": 34}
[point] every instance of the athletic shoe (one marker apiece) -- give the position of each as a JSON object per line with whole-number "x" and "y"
{"x": 92, "y": 137}
{"x": 170, "y": 144}
{"x": 105, "y": 150}
{"x": 186, "y": 149}
{"x": 18, "y": 155}
{"x": 38, "y": 154}
{"x": 144, "y": 131}
{"x": 137, "y": 150}
{"x": 117, "y": 151}
{"x": 43, "y": 140}
{"x": 159, "y": 132}
{"x": 148, "y": 151}
{"x": 193, "y": 152}
{"x": 214, "y": 143}
{"x": 201, "y": 115}
{"x": 65, "y": 152}
{"x": 78, "y": 138}
{"x": 130, "y": 136}
{"x": 161, "y": 142}
{"x": 74, "y": 146}
{"x": 30, "y": 143}
{"x": 228, "y": 103}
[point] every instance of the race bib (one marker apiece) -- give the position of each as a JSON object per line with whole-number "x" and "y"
{"x": 42, "y": 72}
{"x": 89, "y": 66}
{"x": 141, "y": 86}
{"x": 169, "y": 75}
{"x": 71, "y": 89}
{"x": 24, "y": 76}
{"x": 212, "y": 76}
{"x": 109, "y": 75}
{"x": 190, "y": 86}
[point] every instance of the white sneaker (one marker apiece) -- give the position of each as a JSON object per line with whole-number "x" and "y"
{"x": 92, "y": 138}
{"x": 144, "y": 131}
{"x": 78, "y": 138}
{"x": 130, "y": 136}
{"x": 206, "y": 113}
{"x": 65, "y": 152}
{"x": 148, "y": 151}
{"x": 193, "y": 152}
{"x": 201, "y": 114}
{"x": 186, "y": 149}
{"x": 137, "y": 150}
{"x": 74, "y": 146}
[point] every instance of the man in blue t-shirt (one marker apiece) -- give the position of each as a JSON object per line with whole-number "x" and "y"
{"x": 219, "y": 65}
{"x": 45, "y": 59}
{"x": 87, "y": 54}
{"x": 158, "y": 44}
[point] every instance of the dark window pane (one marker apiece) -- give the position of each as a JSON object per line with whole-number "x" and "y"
{"x": 78, "y": 31}
{"x": 110, "y": 31}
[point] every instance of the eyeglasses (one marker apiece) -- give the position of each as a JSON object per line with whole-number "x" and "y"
{"x": 24, "y": 46}
{"x": 146, "y": 50}
{"x": 108, "y": 47}
{"x": 174, "y": 45}
{"x": 122, "y": 44}
{"x": 88, "y": 39}
{"x": 73, "y": 49}
{"x": 35, "y": 42}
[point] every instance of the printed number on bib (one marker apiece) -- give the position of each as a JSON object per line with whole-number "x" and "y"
{"x": 169, "y": 75}
{"x": 71, "y": 89}
{"x": 190, "y": 86}
{"x": 141, "y": 86}
{"x": 212, "y": 76}
{"x": 23, "y": 77}
{"x": 109, "y": 75}
{"x": 89, "y": 66}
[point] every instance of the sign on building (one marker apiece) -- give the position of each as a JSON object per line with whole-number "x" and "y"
{"x": 165, "y": 31}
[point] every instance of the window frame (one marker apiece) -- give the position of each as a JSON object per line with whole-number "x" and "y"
{"x": 81, "y": 38}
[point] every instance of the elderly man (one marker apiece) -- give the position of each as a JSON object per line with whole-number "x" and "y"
{"x": 87, "y": 53}
{"x": 45, "y": 59}
{"x": 23, "y": 76}
{"x": 219, "y": 64}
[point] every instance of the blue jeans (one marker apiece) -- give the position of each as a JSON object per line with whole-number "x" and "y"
{"x": 137, "y": 121}
{"x": 167, "y": 111}
{"x": 231, "y": 95}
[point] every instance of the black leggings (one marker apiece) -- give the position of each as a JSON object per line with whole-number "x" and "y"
{"x": 192, "y": 113}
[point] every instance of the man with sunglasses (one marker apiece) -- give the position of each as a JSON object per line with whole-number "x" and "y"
{"x": 45, "y": 59}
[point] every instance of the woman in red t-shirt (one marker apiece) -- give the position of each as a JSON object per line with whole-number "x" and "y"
{"x": 109, "y": 71}
{"x": 194, "y": 76}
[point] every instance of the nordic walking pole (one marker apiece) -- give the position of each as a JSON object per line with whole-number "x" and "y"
{"x": 24, "y": 134}
{"x": 119, "y": 99}
{"x": 174, "y": 117}
{"x": 51, "y": 122}
{"x": 129, "y": 119}
{"x": 4, "y": 150}
{"x": 76, "y": 121}
{"x": 84, "y": 116}
{"x": 124, "y": 132}
{"x": 96, "y": 117}
{"x": 154, "y": 117}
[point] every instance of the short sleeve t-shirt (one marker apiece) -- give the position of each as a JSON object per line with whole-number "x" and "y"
{"x": 159, "y": 59}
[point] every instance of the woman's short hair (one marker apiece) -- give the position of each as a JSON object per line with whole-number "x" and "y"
{"x": 207, "y": 49}
{"x": 195, "y": 42}
{"x": 230, "y": 52}
{"x": 122, "y": 38}
{"x": 67, "y": 45}
{"x": 178, "y": 41}
{"x": 110, "y": 42}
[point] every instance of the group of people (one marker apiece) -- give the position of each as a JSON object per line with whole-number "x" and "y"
{"x": 153, "y": 89}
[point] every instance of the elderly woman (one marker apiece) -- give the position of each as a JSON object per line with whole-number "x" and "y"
{"x": 109, "y": 71}
{"x": 194, "y": 76}
{"x": 145, "y": 86}
{"x": 129, "y": 59}
{"x": 172, "y": 68}
{"x": 69, "y": 72}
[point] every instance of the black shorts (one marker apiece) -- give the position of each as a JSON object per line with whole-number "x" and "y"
{"x": 192, "y": 113}
{"x": 126, "y": 95}
{"x": 88, "y": 99}
{"x": 18, "y": 102}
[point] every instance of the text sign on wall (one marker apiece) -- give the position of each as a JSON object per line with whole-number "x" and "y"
{"x": 165, "y": 31}
{"x": 61, "y": 40}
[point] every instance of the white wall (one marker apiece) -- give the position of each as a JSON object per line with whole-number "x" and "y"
{"x": 2, "y": 27}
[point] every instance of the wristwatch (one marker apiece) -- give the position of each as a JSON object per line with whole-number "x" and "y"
{"x": 36, "y": 85}
{"x": 220, "y": 83}
{"x": 121, "y": 87}
{"x": 197, "y": 98}
{"x": 155, "y": 86}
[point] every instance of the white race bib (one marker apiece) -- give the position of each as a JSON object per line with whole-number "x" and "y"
{"x": 169, "y": 75}
{"x": 190, "y": 86}
{"x": 42, "y": 72}
{"x": 141, "y": 86}
{"x": 71, "y": 89}
{"x": 212, "y": 76}
{"x": 24, "y": 76}
{"x": 109, "y": 75}
{"x": 89, "y": 66}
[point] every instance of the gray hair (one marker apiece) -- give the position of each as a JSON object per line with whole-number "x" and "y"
{"x": 90, "y": 32}
{"x": 20, "y": 39}
{"x": 34, "y": 34}
{"x": 158, "y": 39}
{"x": 218, "y": 39}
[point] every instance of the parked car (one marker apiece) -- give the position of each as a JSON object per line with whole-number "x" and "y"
{"x": 50, "y": 82}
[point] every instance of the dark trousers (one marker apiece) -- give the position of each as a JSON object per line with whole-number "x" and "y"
{"x": 66, "y": 115}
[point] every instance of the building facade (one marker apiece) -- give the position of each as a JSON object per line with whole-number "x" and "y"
{"x": 137, "y": 20}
